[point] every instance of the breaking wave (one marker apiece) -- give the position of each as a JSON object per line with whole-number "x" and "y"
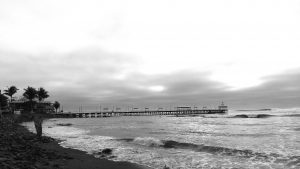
{"x": 213, "y": 149}
{"x": 144, "y": 141}
{"x": 168, "y": 144}
{"x": 148, "y": 141}
{"x": 291, "y": 115}
{"x": 252, "y": 116}
{"x": 239, "y": 116}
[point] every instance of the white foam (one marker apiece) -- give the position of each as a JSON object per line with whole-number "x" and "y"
{"x": 63, "y": 131}
{"x": 89, "y": 144}
{"x": 148, "y": 141}
{"x": 60, "y": 132}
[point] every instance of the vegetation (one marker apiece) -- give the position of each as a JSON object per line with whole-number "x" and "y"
{"x": 30, "y": 94}
{"x": 56, "y": 105}
{"x": 10, "y": 91}
{"x": 42, "y": 94}
{"x": 32, "y": 100}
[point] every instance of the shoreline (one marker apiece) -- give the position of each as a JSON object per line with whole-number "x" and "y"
{"x": 82, "y": 160}
{"x": 20, "y": 149}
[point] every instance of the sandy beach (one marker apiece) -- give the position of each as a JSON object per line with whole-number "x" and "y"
{"x": 20, "y": 149}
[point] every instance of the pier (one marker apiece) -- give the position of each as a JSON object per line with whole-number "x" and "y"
{"x": 178, "y": 112}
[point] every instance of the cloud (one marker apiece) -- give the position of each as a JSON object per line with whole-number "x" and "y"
{"x": 280, "y": 90}
{"x": 121, "y": 52}
{"x": 70, "y": 71}
{"x": 92, "y": 77}
{"x": 179, "y": 88}
{"x": 194, "y": 88}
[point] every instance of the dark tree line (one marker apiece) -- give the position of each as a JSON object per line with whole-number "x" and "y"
{"x": 34, "y": 97}
{"x": 30, "y": 93}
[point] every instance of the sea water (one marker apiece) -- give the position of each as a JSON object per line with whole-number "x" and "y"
{"x": 208, "y": 141}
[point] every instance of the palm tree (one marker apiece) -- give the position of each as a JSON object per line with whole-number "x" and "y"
{"x": 30, "y": 94}
{"x": 42, "y": 94}
{"x": 56, "y": 105}
{"x": 10, "y": 91}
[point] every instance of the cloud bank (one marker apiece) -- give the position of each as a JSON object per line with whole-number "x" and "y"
{"x": 93, "y": 78}
{"x": 153, "y": 53}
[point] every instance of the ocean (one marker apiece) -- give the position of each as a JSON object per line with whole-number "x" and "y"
{"x": 264, "y": 140}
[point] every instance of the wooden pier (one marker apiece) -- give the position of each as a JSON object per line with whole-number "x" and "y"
{"x": 140, "y": 113}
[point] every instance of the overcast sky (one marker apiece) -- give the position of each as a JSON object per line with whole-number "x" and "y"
{"x": 153, "y": 53}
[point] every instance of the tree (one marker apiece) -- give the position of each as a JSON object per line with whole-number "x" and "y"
{"x": 10, "y": 91}
{"x": 56, "y": 105}
{"x": 30, "y": 94}
{"x": 42, "y": 94}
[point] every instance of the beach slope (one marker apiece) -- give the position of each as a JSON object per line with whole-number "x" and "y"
{"x": 20, "y": 149}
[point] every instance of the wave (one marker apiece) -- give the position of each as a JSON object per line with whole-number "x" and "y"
{"x": 291, "y": 115}
{"x": 242, "y": 116}
{"x": 144, "y": 141}
{"x": 64, "y": 124}
{"x": 262, "y": 115}
{"x": 214, "y": 149}
{"x": 297, "y": 129}
{"x": 158, "y": 132}
{"x": 168, "y": 144}
{"x": 252, "y": 116}
{"x": 231, "y": 134}
{"x": 202, "y": 132}
{"x": 249, "y": 154}
{"x": 148, "y": 141}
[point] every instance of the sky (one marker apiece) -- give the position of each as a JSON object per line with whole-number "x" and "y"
{"x": 159, "y": 53}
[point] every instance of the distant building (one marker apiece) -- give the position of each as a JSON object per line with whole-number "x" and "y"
{"x": 184, "y": 108}
{"x": 223, "y": 107}
{"x": 24, "y": 105}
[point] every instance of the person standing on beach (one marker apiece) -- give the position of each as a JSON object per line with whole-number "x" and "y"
{"x": 38, "y": 121}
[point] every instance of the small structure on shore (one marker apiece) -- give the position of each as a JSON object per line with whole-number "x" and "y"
{"x": 42, "y": 106}
{"x": 223, "y": 107}
{"x": 183, "y": 108}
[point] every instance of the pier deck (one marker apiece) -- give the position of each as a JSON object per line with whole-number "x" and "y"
{"x": 139, "y": 113}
